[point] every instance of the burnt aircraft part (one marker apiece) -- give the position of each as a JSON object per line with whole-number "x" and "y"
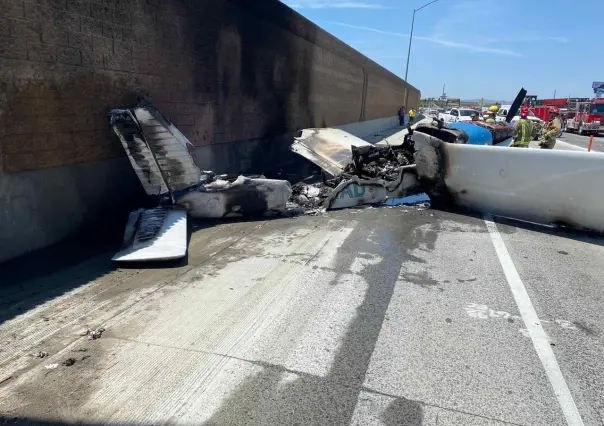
{"x": 242, "y": 197}
{"x": 154, "y": 234}
{"x": 379, "y": 162}
{"x": 494, "y": 181}
{"x": 516, "y": 105}
{"x": 328, "y": 148}
{"x": 431, "y": 164}
{"x": 170, "y": 147}
{"x": 440, "y": 130}
{"x": 158, "y": 152}
{"x": 138, "y": 151}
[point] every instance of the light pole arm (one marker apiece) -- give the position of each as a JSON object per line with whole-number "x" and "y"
{"x": 410, "y": 40}
{"x": 411, "y": 35}
{"x": 427, "y": 4}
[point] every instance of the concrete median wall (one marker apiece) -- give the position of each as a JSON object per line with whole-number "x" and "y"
{"x": 237, "y": 77}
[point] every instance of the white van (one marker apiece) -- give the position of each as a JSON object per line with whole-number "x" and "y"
{"x": 503, "y": 112}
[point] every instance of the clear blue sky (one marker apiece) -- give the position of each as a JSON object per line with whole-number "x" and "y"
{"x": 485, "y": 48}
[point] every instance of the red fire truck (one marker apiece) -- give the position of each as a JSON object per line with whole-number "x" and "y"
{"x": 585, "y": 117}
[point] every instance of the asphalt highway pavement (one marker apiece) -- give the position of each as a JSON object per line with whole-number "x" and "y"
{"x": 581, "y": 141}
{"x": 379, "y": 316}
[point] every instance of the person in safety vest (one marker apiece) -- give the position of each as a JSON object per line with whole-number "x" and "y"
{"x": 411, "y": 115}
{"x": 551, "y": 129}
{"x": 523, "y": 130}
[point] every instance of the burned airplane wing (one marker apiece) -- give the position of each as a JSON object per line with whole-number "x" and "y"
{"x": 139, "y": 153}
{"x": 160, "y": 156}
{"x": 154, "y": 234}
{"x": 158, "y": 151}
{"x": 535, "y": 185}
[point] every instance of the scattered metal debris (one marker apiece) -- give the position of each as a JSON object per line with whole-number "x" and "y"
{"x": 242, "y": 196}
{"x": 92, "y": 335}
{"x": 69, "y": 362}
{"x": 161, "y": 157}
{"x": 41, "y": 354}
{"x": 328, "y": 148}
{"x": 360, "y": 173}
{"x": 5, "y": 379}
{"x": 51, "y": 366}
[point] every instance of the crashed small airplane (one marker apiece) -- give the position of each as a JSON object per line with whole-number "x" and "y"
{"x": 159, "y": 154}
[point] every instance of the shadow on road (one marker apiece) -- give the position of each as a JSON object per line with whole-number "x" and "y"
{"x": 510, "y": 226}
{"x": 37, "y": 277}
{"x": 331, "y": 399}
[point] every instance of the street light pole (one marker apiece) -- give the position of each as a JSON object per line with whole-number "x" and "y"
{"x": 411, "y": 35}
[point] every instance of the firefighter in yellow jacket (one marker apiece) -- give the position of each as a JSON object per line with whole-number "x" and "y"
{"x": 491, "y": 114}
{"x": 411, "y": 115}
{"x": 524, "y": 130}
{"x": 551, "y": 129}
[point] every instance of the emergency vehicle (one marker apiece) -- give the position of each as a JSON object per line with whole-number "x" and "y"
{"x": 585, "y": 117}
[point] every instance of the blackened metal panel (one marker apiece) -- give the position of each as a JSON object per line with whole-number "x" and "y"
{"x": 170, "y": 146}
{"x": 143, "y": 162}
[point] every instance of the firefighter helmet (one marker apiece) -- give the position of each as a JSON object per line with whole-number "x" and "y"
{"x": 524, "y": 111}
{"x": 554, "y": 110}
{"x": 493, "y": 108}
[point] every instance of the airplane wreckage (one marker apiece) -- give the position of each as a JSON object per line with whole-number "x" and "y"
{"x": 436, "y": 163}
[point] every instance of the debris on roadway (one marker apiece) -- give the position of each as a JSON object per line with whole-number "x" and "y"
{"x": 41, "y": 354}
{"x": 353, "y": 173}
{"x": 51, "y": 366}
{"x": 69, "y": 362}
{"x": 161, "y": 157}
{"x": 93, "y": 334}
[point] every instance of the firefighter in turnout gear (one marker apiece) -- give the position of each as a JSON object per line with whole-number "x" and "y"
{"x": 551, "y": 130}
{"x": 491, "y": 114}
{"x": 523, "y": 130}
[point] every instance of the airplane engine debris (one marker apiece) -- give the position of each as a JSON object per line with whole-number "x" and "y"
{"x": 360, "y": 173}
{"x": 532, "y": 185}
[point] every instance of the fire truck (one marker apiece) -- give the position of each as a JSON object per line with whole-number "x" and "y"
{"x": 582, "y": 115}
{"x": 585, "y": 117}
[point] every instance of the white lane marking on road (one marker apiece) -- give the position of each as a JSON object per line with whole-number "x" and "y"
{"x": 478, "y": 311}
{"x": 570, "y": 145}
{"x": 535, "y": 330}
